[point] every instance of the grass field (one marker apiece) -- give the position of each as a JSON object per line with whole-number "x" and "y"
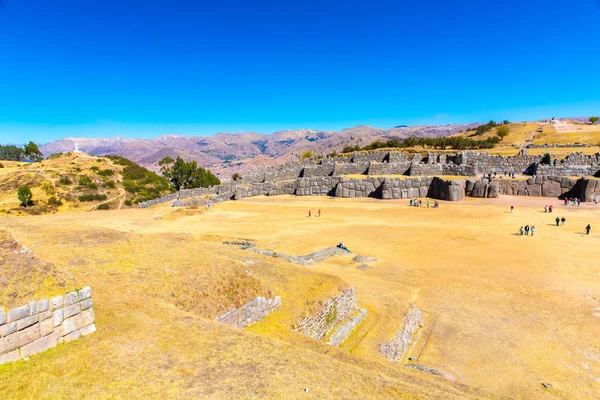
{"x": 506, "y": 312}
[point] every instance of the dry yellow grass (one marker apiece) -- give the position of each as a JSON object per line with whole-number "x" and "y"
{"x": 505, "y": 312}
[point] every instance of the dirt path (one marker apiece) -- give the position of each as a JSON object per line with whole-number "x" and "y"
{"x": 120, "y": 195}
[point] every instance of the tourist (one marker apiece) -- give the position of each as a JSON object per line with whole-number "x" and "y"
{"x": 512, "y": 208}
{"x": 436, "y": 204}
{"x": 521, "y": 231}
{"x": 309, "y": 215}
{"x": 532, "y": 230}
{"x": 527, "y": 230}
{"x": 588, "y": 228}
{"x": 545, "y": 209}
{"x": 427, "y": 203}
{"x": 411, "y": 202}
{"x": 578, "y": 202}
{"x": 550, "y": 208}
{"x": 566, "y": 201}
{"x": 557, "y": 221}
{"x": 319, "y": 213}
{"x": 563, "y": 219}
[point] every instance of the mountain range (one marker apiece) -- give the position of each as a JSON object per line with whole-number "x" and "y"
{"x": 226, "y": 153}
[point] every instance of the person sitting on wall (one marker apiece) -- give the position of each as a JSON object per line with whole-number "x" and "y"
{"x": 341, "y": 246}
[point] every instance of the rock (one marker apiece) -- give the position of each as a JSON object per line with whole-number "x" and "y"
{"x": 72, "y": 310}
{"x": 77, "y": 322}
{"x": 85, "y": 293}
{"x": 71, "y": 298}
{"x": 7, "y": 329}
{"x": 423, "y": 368}
{"x": 88, "y": 330}
{"x": 25, "y": 322}
{"x": 32, "y": 308}
{"x": 362, "y": 259}
{"x": 46, "y": 327}
{"x": 18, "y": 313}
{"x": 547, "y": 385}
{"x": 56, "y": 303}
{"x": 363, "y": 267}
{"x": 2, "y": 316}
{"x": 85, "y": 304}
{"x": 43, "y": 305}
{"x": 412, "y": 358}
{"x": 58, "y": 317}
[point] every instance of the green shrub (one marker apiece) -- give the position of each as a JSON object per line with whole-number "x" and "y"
{"x": 106, "y": 172}
{"x": 25, "y": 196}
{"x": 103, "y": 207}
{"x": 92, "y": 197}
{"x": 64, "y": 180}
{"x": 53, "y": 201}
{"x": 84, "y": 180}
{"x": 94, "y": 168}
{"x": 92, "y": 186}
{"x": 99, "y": 159}
{"x": 109, "y": 184}
{"x": 128, "y": 203}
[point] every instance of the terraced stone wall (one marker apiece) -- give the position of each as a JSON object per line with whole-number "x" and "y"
{"x": 397, "y": 347}
{"x": 335, "y": 310}
{"x": 43, "y": 324}
{"x": 250, "y": 313}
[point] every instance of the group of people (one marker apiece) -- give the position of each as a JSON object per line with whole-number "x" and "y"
{"x": 563, "y": 219}
{"x": 310, "y": 213}
{"x": 527, "y": 229}
{"x": 419, "y": 203}
{"x": 572, "y": 202}
{"x": 548, "y": 209}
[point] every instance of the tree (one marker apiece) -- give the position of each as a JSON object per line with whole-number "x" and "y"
{"x": 33, "y": 152}
{"x": 188, "y": 175}
{"x": 25, "y": 196}
{"x": 593, "y": 120}
{"x": 165, "y": 162}
{"x": 236, "y": 177}
{"x": 307, "y": 154}
{"x": 506, "y": 122}
{"x": 503, "y": 131}
{"x": 11, "y": 153}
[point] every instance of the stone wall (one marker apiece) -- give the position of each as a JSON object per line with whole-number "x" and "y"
{"x": 358, "y": 168}
{"x": 397, "y": 347}
{"x": 343, "y": 331}
{"x": 250, "y": 313}
{"x": 390, "y": 168}
{"x": 317, "y": 186}
{"x": 331, "y": 314}
{"x": 318, "y": 170}
{"x": 43, "y": 324}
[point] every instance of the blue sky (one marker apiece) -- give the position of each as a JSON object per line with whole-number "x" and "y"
{"x": 147, "y": 68}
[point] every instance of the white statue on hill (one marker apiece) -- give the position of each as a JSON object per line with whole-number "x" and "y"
{"x": 76, "y": 147}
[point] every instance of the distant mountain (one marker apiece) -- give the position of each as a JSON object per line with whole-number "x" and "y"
{"x": 223, "y": 150}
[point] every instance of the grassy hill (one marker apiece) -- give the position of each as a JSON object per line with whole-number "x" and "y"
{"x": 77, "y": 181}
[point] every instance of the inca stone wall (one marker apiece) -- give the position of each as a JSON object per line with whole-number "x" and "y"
{"x": 250, "y": 313}
{"x": 332, "y": 313}
{"x": 342, "y": 333}
{"x": 397, "y": 347}
{"x": 43, "y": 324}
{"x": 326, "y": 177}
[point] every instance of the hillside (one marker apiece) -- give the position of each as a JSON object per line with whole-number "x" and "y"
{"x": 241, "y": 147}
{"x": 78, "y": 181}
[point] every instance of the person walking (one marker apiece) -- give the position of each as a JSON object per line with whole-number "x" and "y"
{"x": 512, "y": 208}
{"x": 309, "y": 215}
{"x": 550, "y": 208}
{"x": 545, "y": 209}
{"x": 578, "y": 202}
{"x": 557, "y": 221}
{"x": 532, "y": 230}
{"x": 319, "y": 214}
{"x": 588, "y": 228}
{"x": 563, "y": 219}
{"x": 521, "y": 231}
{"x": 526, "y": 230}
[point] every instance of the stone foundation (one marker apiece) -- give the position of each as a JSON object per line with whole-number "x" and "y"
{"x": 43, "y": 324}
{"x": 343, "y": 331}
{"x": 332, "y": 313}
{"x": 397, "y": 347}
{"x": 250, "y": 313}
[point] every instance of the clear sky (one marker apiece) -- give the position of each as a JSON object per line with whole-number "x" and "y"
{"x": 145, "y": 68}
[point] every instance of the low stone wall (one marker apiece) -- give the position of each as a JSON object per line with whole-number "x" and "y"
{"x": 342, "y": 333}
{"x": 250, "y": 313}
{"x": 317, "y": 171}
{"x": 43, "y": 324}
{"x": 397, "y": 347}
{"x": 358, "y": 168}
{"x": 390, "y": 168}
{"x": 160, "y": 200}
{"x": 317, "y": 186}
{"x": 332, "y": 313}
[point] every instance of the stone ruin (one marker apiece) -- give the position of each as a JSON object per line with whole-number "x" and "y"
{"x": 422, "y": 177}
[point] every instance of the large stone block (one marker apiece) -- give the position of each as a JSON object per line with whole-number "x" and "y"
{"x": 25, "y": 322}
{"x": 56, "y": 303}
{"x": 72, "y": 310}
{"x": 19, "y": 339}
{"x": 71, "y": 298}
{"x": 535, "y": 190}
{"x": 550, "y": 189}
{"x": 88, "y": 330}
{"x": 32, "y": 308}
{"x": 41, "y": 344}
{"x": 87, "y": 303}
{"x": 2, "y": 316}
{"x": 46, "y": 327}
{"x": 72, "y": 336}
{"x": 58, "y": 317}
{"x": 77, "y": 322}
{"x": 8, "y": 328}
{"x": 43, "y": 305}
{"x": 413, "y": 192}
{"x": 18, "y": 313}
{"x": 10, "y": 357}
{"x": 45, "y": 315}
